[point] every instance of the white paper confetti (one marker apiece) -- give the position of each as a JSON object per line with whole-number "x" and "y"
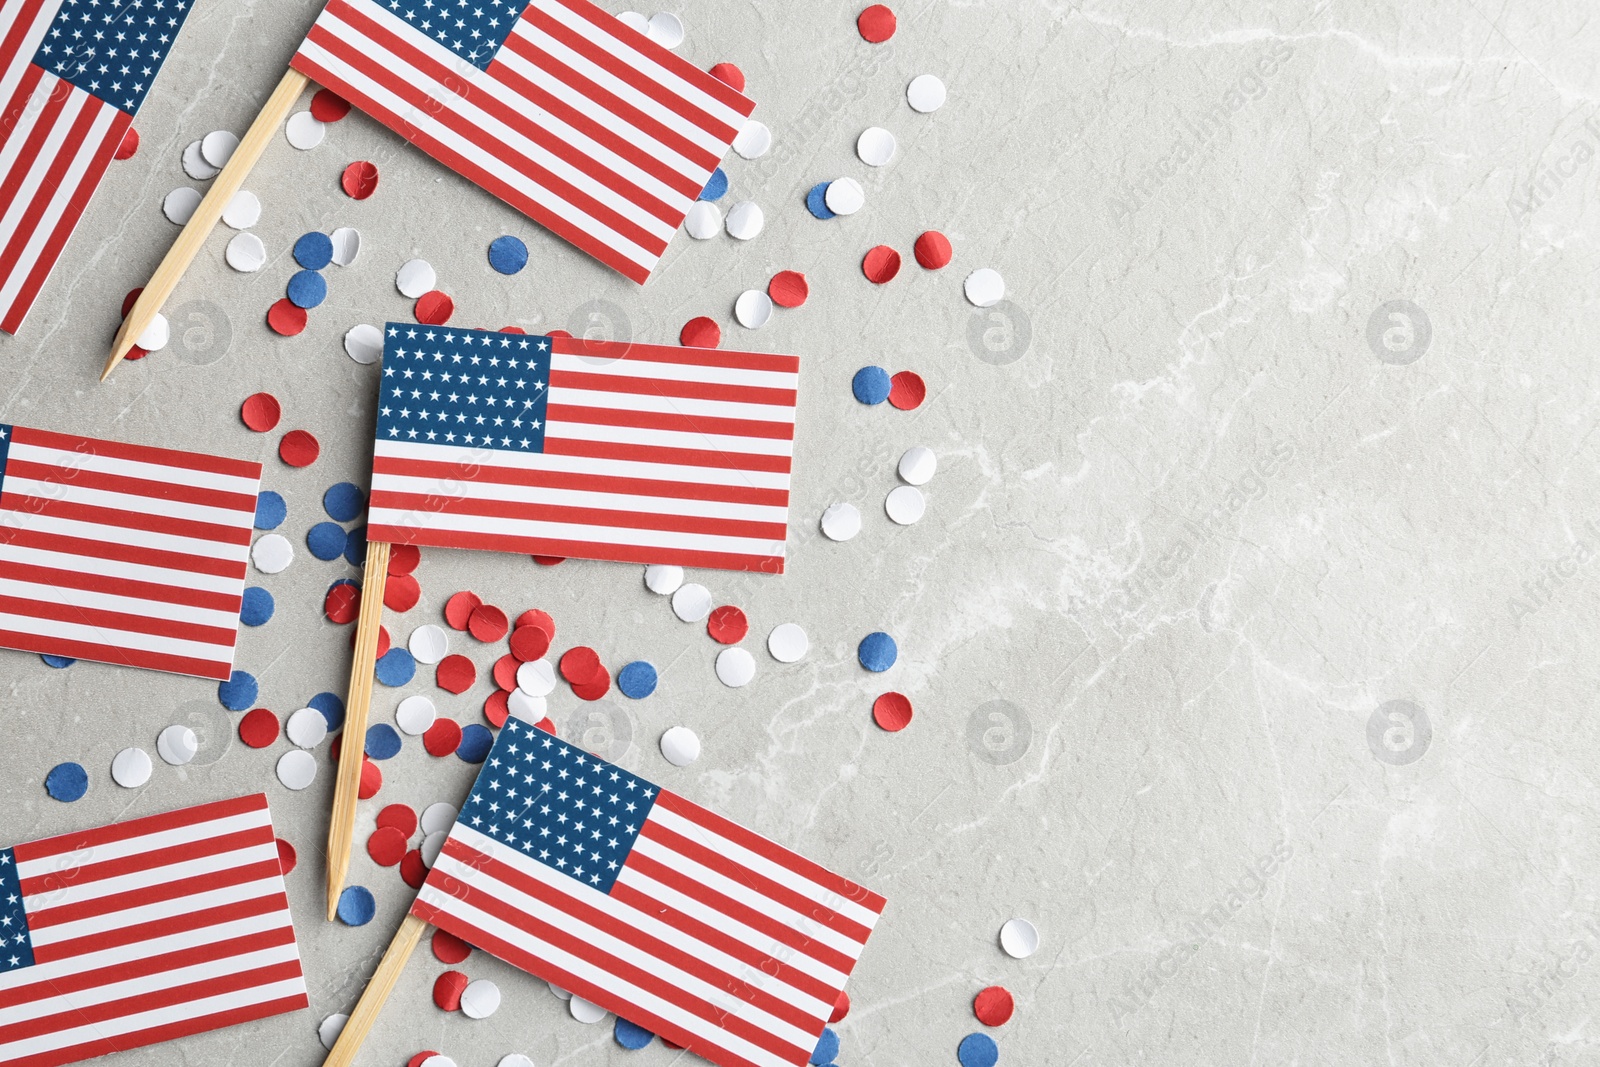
{"x": 432, "y": 845}
{"x": 195, "y": 165}
{"x": 681, "y": 746}
{"x": 537, "y": 678}
{"x": 528, "y": 708}
{"x": 346, "y": 245}
{"x": 925, "y": 93}
{"x": 753, "y": 140}
{"x": 243, "y": 211}
{"x": 844, "y": 196}
{"x": 177, "y": 745}
{"x": 692, "y": 602}
{"x": 634, "y": 21}
{"x": 245, "y": 253}
{"x": 415, "y": 714}
{"x": 306, "y": 728}
{"x": 663, "y": 578}
{"x": 704, "y": 220}
{"x": 585, "y": 1012}
{"x": 788, "y": 643}
{"x": 415, "y": 277}
{"x": 304, "y": 130}
{"x": 297, "y": 769}
{"x": 841, "y": 521}
{"x": 156, "y": 335}
{"x": 363, "y": 343}
{"x": 438, "y": 818}
{"x": 179, "y": 205}
{"x": 735, "y": 667}
{"x": 905, "y": 504}
{"x": 328, "y": 1033}
{"x": 745, "y": 220}
{"x": 984, "y": 287}
{"x": 428, "y": 643}
{"x": 665, "y": 29}
{"x": 480, "y": 999}
{"x": 131, "y": 768}
{"x": 1019, "y": 938}
{"x": 217, "y": 147}
{"x": 918, "y": 465}
{"x": 561, "y": 994}
{"x": 272, "y": 554}
{"x": 753, "y": 309}
{"x": 875, "y": 146}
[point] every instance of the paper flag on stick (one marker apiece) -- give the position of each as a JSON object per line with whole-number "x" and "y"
{"x": 143, "y": 931}
{"x": 555, "y": 106}
{"x": 646, "y": 904}
{"x": 567, "y": 447}
{"x": 73, "y": 74}
{"x": 124, "y": 554}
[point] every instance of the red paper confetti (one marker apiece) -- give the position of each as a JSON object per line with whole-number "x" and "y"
{"x": 546, "y": 725}
{"x": 700, "y": 332}
{"x": 329, "y": 106}
{"x": 729, "y": 75}
{"x": 841, "y": 1007}
{"x": 727, "y": 625}
{"x": 128, "y": 146}
{"x": 459, "y": 608}
{"x": 131, "y": 299}
{"x": 403, "y": 559}
{"x": 286, "y": 317}
{"x": 449, "y": 949}
{"x": 286, "y": 856}
{"x": 401, "y": 592}
{"x": 260, "y": 412}
{"x": 136, "y": 353}
{"x": 360, "y": 180}
{"x": 299, "y": 448}
{"x": 892, "y": 711}
{"x": 426, "y": 1054}
{"x": 580, "y": 664}
{"x": 259, "y": 728}
{"x": 414, "y": 872}
{"x": 455, "y": 674}
{"x": 488, "y": 623}
{"x": 401, "y": 817}
{"x": 334, "y": 746}
{"x": 549, "y": 561}
{"x": 386, "y": 846}
{"x": 447, "y": 990}
{"x": 383, "y": 640}
{"x": 529, "y": 643}
{"x": 933, "y": 250}
{"x": 880, "y": 264}
{"x": 907, "y": 390}
{"x": 595, "y": 688}
{"x": 788, "y": 288}
{"x": 505, "y": 672}
{"x": 342, "y": 604}
{"x": 876, "y": 24}
{"x": 541, "y": 619}
{"x": 442, "y": 738}
{"x": 371, "y": 780}
{"x": 495, "y": 709}
{"x": 434, "y": 308}
{"x": 993, "y": 1006}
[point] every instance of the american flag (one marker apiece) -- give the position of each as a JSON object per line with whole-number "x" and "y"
{"x": 72, "y": 76}
{"x": 646, "y": 904}
{"x": 555, "y": 106}
{"x": 124, "y": 554}
{"x": 143, "y": 931}
{"x": 567, "y": 447}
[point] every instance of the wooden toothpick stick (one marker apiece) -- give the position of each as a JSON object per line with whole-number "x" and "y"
{"x": 205, "y": 217}
{"x": 378, "y": 989}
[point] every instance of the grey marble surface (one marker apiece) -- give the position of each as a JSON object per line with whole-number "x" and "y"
{"x": 1245, "y": 627}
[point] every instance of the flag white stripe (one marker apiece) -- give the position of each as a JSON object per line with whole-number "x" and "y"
{"x": 172, "y": 837}
{"x": 130, "y": 640}
{"x": 600, "y": 535}
{"x": 42, "y": 904}
{"x": 15, "y": 517}
{"x": 10, "y": 78}
{"x": 117, "y": 569}
{"x": 91, "y": 600}
{"x": 576, "y": 498}
{"x": 565, "y": 430}
{"x": 583, "y": 465}
{"x": 657, "y": 404}
{"x": 136, "y": 468}
{"x": 161, "y": 909}
{"x": 139, "y": 503}
{"x": 642, "y": 367}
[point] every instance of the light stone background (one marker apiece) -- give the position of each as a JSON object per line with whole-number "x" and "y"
{"x": 1209, "y": 504}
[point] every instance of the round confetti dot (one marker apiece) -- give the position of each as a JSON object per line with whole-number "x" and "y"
{"x": 527, "y": 708}
{"x": 691, "y": 602}
{"x": 559, "y": 993}
{"x": 817, "y": 201}
{"x": 585, "y": 1011}
{"x": 727, "y": 625}
{"x": 257, "y": 606}
{"x": 217, "y": 147}
{"x": 788, "y": 643}
{"x": 325, "y": 540}
{"x": 415, "y": 715}
{"x": 892, "y": 711}
{"x": 841, "y": 522}
{"x": 399, "y": 817}
{"x": 704, "y": 220}
{"x": 580, "y": 664}
{"x": 681, "y": 746}
{"x": 239, "y": 691}
{"x": 403, "y": 559}
{"x": 984, "y": 287}
{"x": 925, "y": 93}
{"x": 871, "y": 385}
{"x": 396, "y": 668}
{"x": 497, "y": 709}
{"x": 637, "y": 680}
{"x": 515, "y": 1059}
{"x": 634, "y": 21}
{"x": 594, "y": 688}
{"x": 299, "y": 448}
{"x": 700, "y": 332}
{"x": 729, "y": 75}
{"x": 993, "y": 1005}
{"x": 827, "y": 1049}
{"x": 480, "y": 999}
{"x": 346, "y": 246}
{"x": 1019, "y": 938}
{"x": 329, "y": 106}
{"x": 343, "y": 501}
{"x": 67, "y": 782}
{"x": 195, "y": 165}
{"x": 259, "y": 728}
{"x": 179, "y": 205}
{"x": 386, "y": 846}
{"x": 313, "y": 250}
{"x": 631, "y": 1035}
{"x": 662, "y": 578}
{"x": 307, "y": 289}
{"x": 371, "y": 780}
{"x": 877, "y": 652}
{"x": 528, "y": 643}
{"x": 306, "y": 728}
{"x": 364, "y": 344}
{"x": 905, "y": 504}
{"x": 507, "y": 254}
{"x": 456, "y": 674}
{"x": 505, "y": 668}
{"x": 745, "y": 220}
{"x": 272, "y": 554}
{"x": 449, "y": 949}
{"x": 156, "y": 335}
{"x": 551, "y": 561}
{"x": 788, "y": 289}
{"x": 753, "y": 140}
{"x": 304, "y": 130}
{"x": 360, "y": 180}
{"x": 296, "y": 769}
{"x": 459, "y": 608}
{"x": 177, "y": 745}
{"x": 875, "y": 24}
{"x": 57, "y": 662}
{"x": 875, "y": 147}
{"x": 845, "y": 196}
{"x": 330, "y": 1029}
{"x": 428, "y": 644}
{"x": 716, "y": 186}
{"x": 841, "y": 1007}
{"x": 932, "y": 250}
{"x": 442, "y": 738}
{"x": 401, "y": 592}
{"x": 978, "y": 1050}
{"x": 331, "y": 707}
{"x": 261, "y": 412}
{"x": 243, "y": 210}
{"x": 537, "y": 678}
{"x": 434, "y": 1060}
{"x": 447, "y": 990}
{"x": 245, "y": 253}
{"x": 918, "y": 464}
{"x": 488, "y": 623}
{"x": 880, "y": 264}
{"x": 287, "y": 858}
{"x": 356, "y": 906}
{"x": 128, "y": 145}
{"x": 907, "y": 390}
{"x": 434, "y": 308}
{"x": 286, "y": 318}
{"x": 665, "y": 29}
{"x": 753, "y": 309}
{"x": 131, "y": 768}
{"x": 383, "y": 741}
{"x": 735, "y": 667}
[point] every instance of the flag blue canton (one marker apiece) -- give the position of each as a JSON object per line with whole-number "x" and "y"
{"x": 464, "y": 387}
{"x": 16, "y": 951}
{"x": 473, "y": 30}
{"x": 571, "y": 811}
{"x": 112, "y": 49}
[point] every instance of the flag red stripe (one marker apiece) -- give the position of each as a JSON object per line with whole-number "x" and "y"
{"x": 99, "y": 583}
{"x": 164, "y": 856}
{"x": 600, "y": 381}
{"x": 129, "y": 485}
{"x": 23, "y": 641}
{"x": 428, "y": 503}
{"x": 166, "y": 457}
{"x": 11, "y": 47}
{"x": 168, "y": 1031}
{"x": 65, "y": 544}
{"x": 140, "y": 827}
{"x": 44, "y": 918}
{"x": 673, "y": 354}
{"x": 576, "y": 414}
{"x": 492, "y": 474}
{"x": 556, "y": 445}
{"x": 32, "y": 149}
{"x": 552, "y": 546}
{"x": 123, "y": 518}
{"x": 117, "y": 620}
{"x": 12, "y": 115}
{"x": 129, "y": 935}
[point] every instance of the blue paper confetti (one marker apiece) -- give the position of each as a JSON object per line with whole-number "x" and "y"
{"x": 877, "y": 652}
{"x": 476, "y": 740}
{"x": 332, "y": 708}
{"x": 356, "y": 906}
{"x": 343, "y": 502}
{"x": 257, "y": 608}
{"x": 396, "y": 667}
{"x": 307, "y": 289}
{"x": 871, "y": 385}
{"x": 817, "y": 201}
{"x": 508, "y": 254}
{"x": 270, "y": 510}
{"x": 58, "y": 662}
{"x": 827, "y": 1049}
{"x": 631, "y": 1035}
{"x": 326, "y": 540}
{"x": 716, "y": 186}
{"x": 383, "y": 741}
{"x": 355, "y": 547}
{"x": 637, "y": 680}
{"x": 313, "y": 251}
{"x": 239, "y": 692}
{"x": 978, "y": 1050}
{"x": 67, "y": 782}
